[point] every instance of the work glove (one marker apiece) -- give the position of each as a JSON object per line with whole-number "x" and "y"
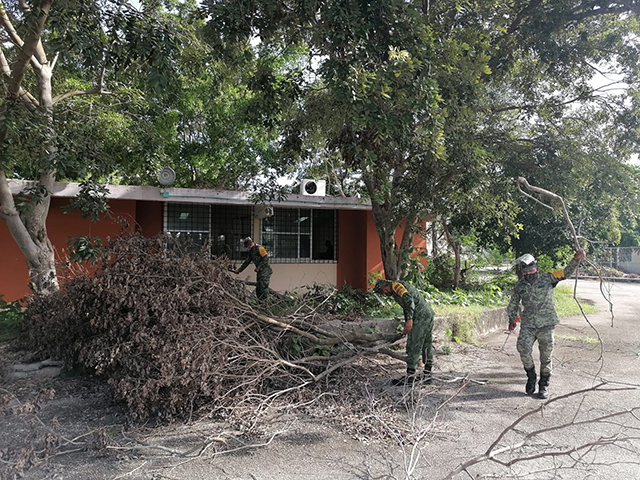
{"x": 512, "y": 325}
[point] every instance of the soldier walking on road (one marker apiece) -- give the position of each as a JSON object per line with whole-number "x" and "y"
{"x": 260, "y": 258}
{"x": 418, "y": 317}
{"x": 538, "y": 318}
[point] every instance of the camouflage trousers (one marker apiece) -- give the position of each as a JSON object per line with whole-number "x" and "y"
{"x": 420, "y": 343}
{"x": 527, "y": 338}
{"x": 262, "y": 285}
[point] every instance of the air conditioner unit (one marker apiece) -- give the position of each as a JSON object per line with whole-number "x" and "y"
{"x": 316, "y": 188}
{"x": 263, "y": 211}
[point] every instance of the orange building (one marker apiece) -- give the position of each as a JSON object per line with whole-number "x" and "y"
{"x": 311, "y": 238}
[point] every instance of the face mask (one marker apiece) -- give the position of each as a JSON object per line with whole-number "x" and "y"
{"x": 531, "y": 278}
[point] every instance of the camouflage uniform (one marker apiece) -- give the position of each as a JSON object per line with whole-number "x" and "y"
{"x": 260, "y": 258}
{"x": 539, "y": 317}
{"x": 419, "y": 340}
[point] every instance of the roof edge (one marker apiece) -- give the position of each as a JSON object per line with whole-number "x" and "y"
{"x": 197, "y": 195}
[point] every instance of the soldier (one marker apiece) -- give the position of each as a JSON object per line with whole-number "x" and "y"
{"x": 418, "y": 316}
{"x": 260, "y": 258}
{"x": 538, "y": 318}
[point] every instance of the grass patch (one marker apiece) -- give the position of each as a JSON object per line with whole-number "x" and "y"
{"x": 566, "y": 305}
{"x": 459, "y": 322}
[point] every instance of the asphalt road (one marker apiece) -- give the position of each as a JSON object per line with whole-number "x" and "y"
{"x": 575, "y": 440}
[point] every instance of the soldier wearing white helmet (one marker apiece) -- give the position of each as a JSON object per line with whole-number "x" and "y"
{"x": 534, "y": 291}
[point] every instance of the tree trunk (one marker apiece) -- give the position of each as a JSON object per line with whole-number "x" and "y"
{"x": 457, "y": 267}
{"x": 28, "y": 228}
{"x": 30, "y": 234}
{"x": 455, "y": 246}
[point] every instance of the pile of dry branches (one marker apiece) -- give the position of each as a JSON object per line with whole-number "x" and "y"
{"x": 174, "y": 334}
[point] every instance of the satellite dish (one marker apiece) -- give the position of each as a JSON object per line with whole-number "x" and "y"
{"x": 166, "y": 176}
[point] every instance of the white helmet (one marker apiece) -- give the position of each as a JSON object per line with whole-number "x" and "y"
{"x": 526, "y": 263}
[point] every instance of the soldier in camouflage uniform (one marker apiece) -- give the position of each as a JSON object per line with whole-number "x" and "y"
{"x": 260, "y": 258}
{"x": 538, "y": 318}
{"x": 418, "y": 316}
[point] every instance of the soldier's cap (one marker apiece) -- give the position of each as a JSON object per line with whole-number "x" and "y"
{"x": 247, "y": 241}
{"x": 380, "y": 284}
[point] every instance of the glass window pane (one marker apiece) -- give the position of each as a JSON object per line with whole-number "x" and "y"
{"x": 284, "y": 220}
{"x": 286, "y": 246}
{"x": 187, "y": 217}
{"x": 324, "y": 235}
{"x": 300, "y": 234}
{"x": 304, "y": 220}
{"x": 305, "y": 246}
{"x": 229, "y": 225}
{"x": 187, "y": 241}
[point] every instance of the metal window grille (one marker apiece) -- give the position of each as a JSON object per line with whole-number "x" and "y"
{"x": 299, "y": 234}
{"x": 188, "y": 224}
{"x": 229, "y": 225}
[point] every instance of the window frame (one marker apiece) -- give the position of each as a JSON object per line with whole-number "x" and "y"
{"x": 171, "y": 232}
{"x": 299, "y": 234}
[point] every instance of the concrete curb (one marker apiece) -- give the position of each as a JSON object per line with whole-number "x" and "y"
{"x": 611, "y": 279}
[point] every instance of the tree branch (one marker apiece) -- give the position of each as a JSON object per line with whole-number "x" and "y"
{"x": 97, "y": 90}
{"x": 557, "y": 198}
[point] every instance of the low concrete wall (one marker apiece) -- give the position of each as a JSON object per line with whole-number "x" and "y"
{"x": 492, "y": 320}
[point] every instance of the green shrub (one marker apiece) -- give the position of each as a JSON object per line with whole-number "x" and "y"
{"x": 440, "y": 271}
{"x": 11, "y": 315}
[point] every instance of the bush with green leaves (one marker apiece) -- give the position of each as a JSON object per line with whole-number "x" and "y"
{"x": 440, "y": 271}
{"x": 11, "y": 315}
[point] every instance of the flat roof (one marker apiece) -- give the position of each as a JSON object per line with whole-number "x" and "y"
{"x": 199, "y": 195}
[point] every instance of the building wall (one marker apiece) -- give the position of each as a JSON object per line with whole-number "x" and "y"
{"x": 358, "y": 247}
{"x": 149, "y": 217}
{"x": 14, "y": 275}
{"x": 290, "y": 276}
{"x": 352, "y": 251}
{"x": 374, "y": 256}
{"x": 13, "y": 267}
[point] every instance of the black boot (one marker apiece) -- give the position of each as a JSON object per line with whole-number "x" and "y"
{"x": 530, "y": 388}
{"x": 426, "y": 375}
{"x": 543, "y": 386}
{"x": 408, "y": 379}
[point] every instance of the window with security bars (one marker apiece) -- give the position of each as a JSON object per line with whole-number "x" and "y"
{"x": 188, "y": 224}
{"x": 299, "y": 234}
{"x": 229, "y": 225}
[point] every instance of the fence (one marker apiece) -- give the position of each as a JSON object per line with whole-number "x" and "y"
{"x": 625, "y": 259}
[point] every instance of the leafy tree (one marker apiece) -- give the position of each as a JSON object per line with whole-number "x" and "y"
{"x": 426, "y": 102}
{"x": 88, "y": 46}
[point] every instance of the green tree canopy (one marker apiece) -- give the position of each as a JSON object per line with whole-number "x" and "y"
{"x": 433, "y": 104}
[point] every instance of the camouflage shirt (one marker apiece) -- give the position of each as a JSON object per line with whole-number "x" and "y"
{"x": 537, "y": 299}
{"x": 260, "y": 258}
{"x": 411, "y": 300}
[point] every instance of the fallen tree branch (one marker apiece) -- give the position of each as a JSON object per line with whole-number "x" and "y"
{"x": 492, "y": 453}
